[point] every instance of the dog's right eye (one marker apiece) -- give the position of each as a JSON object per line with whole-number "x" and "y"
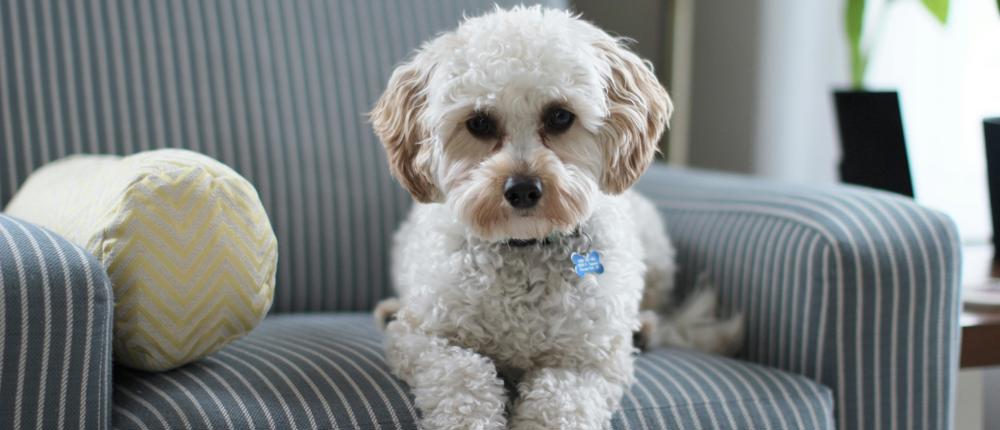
{"x": 481, "y": 126}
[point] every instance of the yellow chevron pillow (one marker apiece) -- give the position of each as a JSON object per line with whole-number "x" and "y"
{"x": 185, "y": 240}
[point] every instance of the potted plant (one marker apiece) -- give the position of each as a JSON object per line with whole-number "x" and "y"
{"x": 870, "y": 123}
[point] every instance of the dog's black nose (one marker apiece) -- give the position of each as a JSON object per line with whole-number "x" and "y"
{"x": 522, "y": 192}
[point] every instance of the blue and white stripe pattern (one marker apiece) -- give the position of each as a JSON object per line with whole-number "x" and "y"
{"x": 856, "y": 289}
{"x": 55, "y": 332}
{"x": 275, "y": 89}
{"x": 328, "y": 371}
{"x": 853, "y": 289}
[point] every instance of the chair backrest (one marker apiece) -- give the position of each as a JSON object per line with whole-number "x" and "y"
{"x": 275, "y": 89}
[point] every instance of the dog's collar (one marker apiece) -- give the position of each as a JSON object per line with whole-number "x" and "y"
{"x": 524, "y": 243}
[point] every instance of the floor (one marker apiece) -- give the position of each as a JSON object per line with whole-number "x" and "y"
{"x": 978, "y": 403}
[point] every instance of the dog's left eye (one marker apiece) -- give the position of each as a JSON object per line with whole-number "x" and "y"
{"x": 558, "y": 120}
{"x": 481, "y": 126}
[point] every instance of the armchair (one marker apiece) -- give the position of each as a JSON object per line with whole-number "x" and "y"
{"x": 55, "y": 332}
{"x": 853, "y": 288}
{"x": 851, "y": 295}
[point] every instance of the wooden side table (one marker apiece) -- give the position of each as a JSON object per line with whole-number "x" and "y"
{"x": 980, "y": 339}
{"x": 980, "y": 327}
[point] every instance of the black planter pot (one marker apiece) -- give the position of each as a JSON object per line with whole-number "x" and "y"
{"x": 872, "y": 141}
{"x": 991, "y": 128}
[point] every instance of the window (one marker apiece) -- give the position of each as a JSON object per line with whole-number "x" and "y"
{"x": 948, "y": 80}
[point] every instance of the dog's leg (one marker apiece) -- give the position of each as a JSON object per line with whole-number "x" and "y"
{"x": 385, "y": 312}
{"x": 562, "y": 398}
{"x": 455, "y": 388}
{"x": 695, "y": 325}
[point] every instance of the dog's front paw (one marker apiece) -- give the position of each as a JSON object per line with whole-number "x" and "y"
{"x": 560, "y": 412}
{"x": 460, "y": 397}
{"x": 564, "y": 399}
{"x": 460, "y": 391}
{"x": 454, "y": 387}
{"x": 523, "y": 424}
{"x": 463, "y": 415}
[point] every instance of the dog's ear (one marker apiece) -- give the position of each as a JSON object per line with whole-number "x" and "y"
{"x": 396, "y": 119}
{"x": 638, "y": 110}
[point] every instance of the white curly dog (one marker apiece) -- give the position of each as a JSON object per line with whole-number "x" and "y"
{"x": 522, "y": 270}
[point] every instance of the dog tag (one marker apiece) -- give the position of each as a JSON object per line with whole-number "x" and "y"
{"x": 587, "y": 263}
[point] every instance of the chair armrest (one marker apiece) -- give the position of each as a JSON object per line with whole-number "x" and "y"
{"x": 55, "y": 332}
{"x": 855, "y": 288}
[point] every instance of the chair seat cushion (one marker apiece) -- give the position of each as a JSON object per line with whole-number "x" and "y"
{"x": 327, "y": 371}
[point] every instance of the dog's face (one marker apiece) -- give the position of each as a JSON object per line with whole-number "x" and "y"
{"x": 518, "y": 119}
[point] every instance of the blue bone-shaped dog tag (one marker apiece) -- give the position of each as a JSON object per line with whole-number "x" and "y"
{"x": 588, "y": 263}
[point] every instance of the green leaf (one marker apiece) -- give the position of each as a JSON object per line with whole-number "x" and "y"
{"x": 854, "y": 17}
{"x": 938, "y": 8}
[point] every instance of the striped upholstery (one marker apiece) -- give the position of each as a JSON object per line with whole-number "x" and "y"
{"x": 327, "y": 371}
{"x": 55, "y": 332}
{"x": 856, "y": 289}
{"x": 275, "y": 89}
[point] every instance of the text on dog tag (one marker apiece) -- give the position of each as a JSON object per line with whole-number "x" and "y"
{"x": 587, "y": 263}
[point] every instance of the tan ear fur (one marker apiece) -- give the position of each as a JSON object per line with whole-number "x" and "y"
{"x": 638, "y": 111}
{"x": 396, "y": 120}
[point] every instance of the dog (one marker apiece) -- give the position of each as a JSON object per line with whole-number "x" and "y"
{"x": 527, "y": 265}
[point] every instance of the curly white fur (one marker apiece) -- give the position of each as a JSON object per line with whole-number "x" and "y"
{"x": 490, "y": 335}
